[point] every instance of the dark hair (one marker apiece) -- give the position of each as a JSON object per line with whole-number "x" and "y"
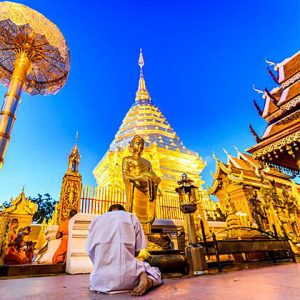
{"x": 15, "y": 220}
{"x": 116, "y": 207}
{"x": 137, "y": 137}
{"x": 72, "y": 213}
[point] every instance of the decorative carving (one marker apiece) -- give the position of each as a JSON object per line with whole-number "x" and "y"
{"x": 256, "y": 136}
{"x": 291, "y": 80}
{"x": 71, "y": 187}
{"x": 283, "y": 109}
{"x": 21, "y": 27}
{"x": 277, "y": 145}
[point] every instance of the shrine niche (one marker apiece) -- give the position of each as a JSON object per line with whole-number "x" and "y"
{"x": 251, "y": 197}
{"x": 71, "y": 187}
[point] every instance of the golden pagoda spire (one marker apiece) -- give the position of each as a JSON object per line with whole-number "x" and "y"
{"x": 142, "y": 93}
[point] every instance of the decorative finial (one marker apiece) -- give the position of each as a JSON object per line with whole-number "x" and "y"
{"x": 257, "y": 90}
{"x": 236, "y": 149}
{"x": 274, "y": 77}
{"x": 270, "y": 63}
{"x": 23, "y": 189}
{"x": 256, "y": 136}
{"x": 273, "y": 99}
{"x": 141, "y": 59}
{"x": 142, "y": 93}
{"x": 225, "y": 151}
{"x": 260, "y": 112}
{"x": 215, "y": 157}
{"x": 76, "y": 138}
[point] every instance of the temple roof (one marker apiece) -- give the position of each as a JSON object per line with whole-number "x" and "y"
{"x": 245, "y": 168}
{"x": 288, "y": 67}
{"x": 21, "y": 206}
{"x": 278, "y": 145}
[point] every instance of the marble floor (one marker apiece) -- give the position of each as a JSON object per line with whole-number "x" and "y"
{"x": 274, "y": 282}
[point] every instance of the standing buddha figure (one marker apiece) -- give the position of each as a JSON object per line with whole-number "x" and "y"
{"x": 140, "y": 184}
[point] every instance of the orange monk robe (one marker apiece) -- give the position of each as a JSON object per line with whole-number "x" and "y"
{"x": 14, "y": 256}
{"x": 11, "y": 239}
{"x": 60, "y": 253}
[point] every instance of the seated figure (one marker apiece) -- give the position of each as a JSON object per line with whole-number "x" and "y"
{"x": 63, "y": 233}
{"x": 18, "y": 250}
{"x": 114, "y": 241}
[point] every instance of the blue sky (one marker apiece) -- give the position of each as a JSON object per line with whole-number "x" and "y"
{"x": 201, "y": 60}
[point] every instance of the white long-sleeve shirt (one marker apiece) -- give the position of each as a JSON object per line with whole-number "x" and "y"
{"x": 113, "y": 239}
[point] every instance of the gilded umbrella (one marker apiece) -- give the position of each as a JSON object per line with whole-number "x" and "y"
{"x": 33, "y": 57}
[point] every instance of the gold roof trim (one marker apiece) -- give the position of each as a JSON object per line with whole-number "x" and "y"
{"x": 21, "y": 206}
{"x": 276, "y": 145}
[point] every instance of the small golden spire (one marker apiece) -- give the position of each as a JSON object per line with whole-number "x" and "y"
{"x": 142, "y": 93}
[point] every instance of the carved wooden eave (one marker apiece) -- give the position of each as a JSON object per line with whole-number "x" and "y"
{"x": 288, "y": 70}
{"x": 269, "y": 109}
{"x": 274, "y": 145}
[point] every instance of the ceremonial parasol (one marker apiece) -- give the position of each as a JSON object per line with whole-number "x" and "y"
{"x": 34, "y": 57}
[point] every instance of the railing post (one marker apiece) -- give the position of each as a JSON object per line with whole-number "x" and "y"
{"x": 217, "y": 252}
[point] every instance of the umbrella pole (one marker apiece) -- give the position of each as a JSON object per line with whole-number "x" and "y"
{"x": 11, "y": 101}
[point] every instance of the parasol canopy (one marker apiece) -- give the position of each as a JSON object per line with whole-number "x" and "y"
{"x": 23, "y": 29}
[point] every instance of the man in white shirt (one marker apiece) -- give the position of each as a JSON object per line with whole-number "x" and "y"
{"x": 115, "y": 239}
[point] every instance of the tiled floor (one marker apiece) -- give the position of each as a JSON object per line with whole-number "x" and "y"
{"x": 265, "y": 283}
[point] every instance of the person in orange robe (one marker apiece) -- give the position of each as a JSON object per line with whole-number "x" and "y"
{"x": 13, "y": 232}
{"x": 15, "y": 254}
{"x": 63, "y": 233}
{"x": 11, "y": 247}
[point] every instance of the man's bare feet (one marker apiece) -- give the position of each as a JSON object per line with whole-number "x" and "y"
{"x": 145, "y": 283}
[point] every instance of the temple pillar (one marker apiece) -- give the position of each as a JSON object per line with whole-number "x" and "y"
{"x": 71, "y": 187}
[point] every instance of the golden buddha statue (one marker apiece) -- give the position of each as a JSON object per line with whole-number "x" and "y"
{"x": 140, "y": 184}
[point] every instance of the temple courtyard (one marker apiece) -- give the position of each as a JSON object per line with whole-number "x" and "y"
{"x": 274, "y": 282}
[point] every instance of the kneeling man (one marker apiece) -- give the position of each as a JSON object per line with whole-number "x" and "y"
{"x": 115, "y": 239}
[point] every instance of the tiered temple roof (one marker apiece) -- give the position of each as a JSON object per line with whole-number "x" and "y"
{"x": 279, "y": 144}
{"x": 244, "y": 169}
